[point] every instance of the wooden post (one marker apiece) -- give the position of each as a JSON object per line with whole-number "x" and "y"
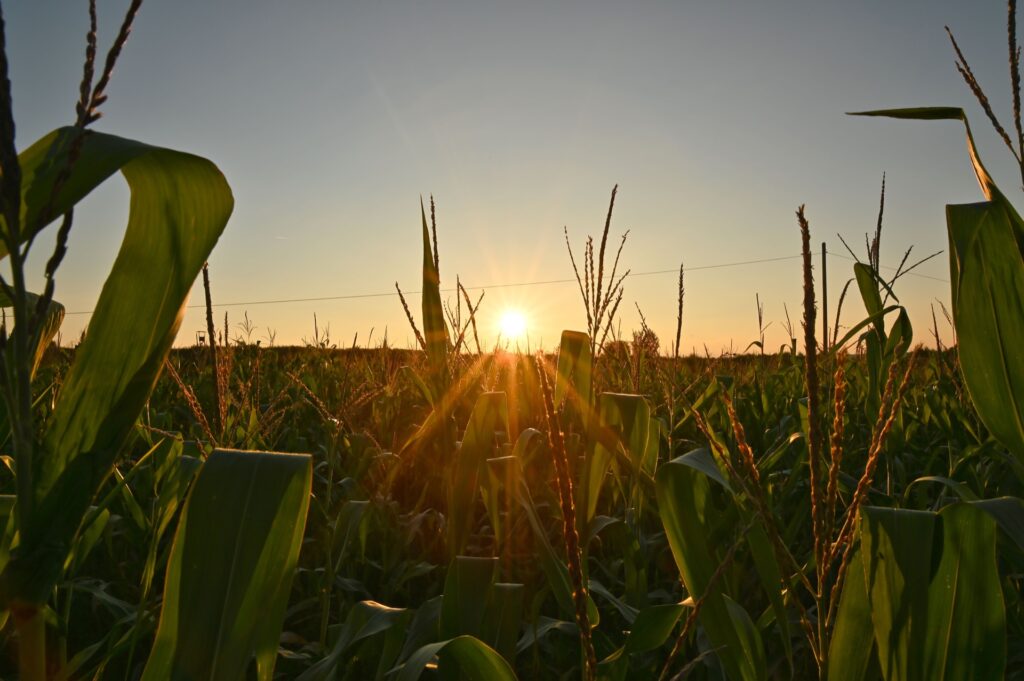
{"x": 824, "y": 298}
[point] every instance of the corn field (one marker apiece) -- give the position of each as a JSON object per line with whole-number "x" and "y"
{"x": 847, "y": 508}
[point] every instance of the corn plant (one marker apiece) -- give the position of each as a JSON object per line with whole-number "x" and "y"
{"x": 180, "y": 204}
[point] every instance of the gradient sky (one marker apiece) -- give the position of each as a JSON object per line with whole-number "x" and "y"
{"x": 330, "y": 119}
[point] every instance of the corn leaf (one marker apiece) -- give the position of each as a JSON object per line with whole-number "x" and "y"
{"x": 574, "y": 371}
{"x": 682, "y": 498}
{"x": 179, "y": 206}
{"x": 853, "y": 639}
{"x": 933, "y": 588}
{"x": 435, "y": 331}
{"x": 467, "y": 587}
{"x": 628, "y": 419}
{"x": 231, "y": 567}
{"x": 490, "y": 413}
{"x": 986, "y": 263}
{"x": 472, "y": 658}
{"x": 988, "y": 310}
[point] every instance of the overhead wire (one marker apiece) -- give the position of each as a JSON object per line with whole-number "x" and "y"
{"x": 517, "y": 284}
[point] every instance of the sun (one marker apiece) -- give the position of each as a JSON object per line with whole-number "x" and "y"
{"x": 512, "y": 325}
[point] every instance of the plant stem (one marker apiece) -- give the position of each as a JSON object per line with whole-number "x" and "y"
{"x": 31, "y": 627}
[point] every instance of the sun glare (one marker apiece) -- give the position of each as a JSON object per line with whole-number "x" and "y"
{"x": 512, "y": 325}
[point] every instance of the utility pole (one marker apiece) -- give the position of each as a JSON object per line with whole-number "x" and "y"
{"x": 824, "y": 298}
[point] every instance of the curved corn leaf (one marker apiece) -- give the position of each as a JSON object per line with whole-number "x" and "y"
{"x": 1008, "y": 512}
{"x": 474, "y": 660}
{"x": 986, "y": 263}
{"x": 943, "y": 113}
{"x": 364, "y": 619}
{"x": 751, "y": 648}
{"x": 897, "y": 556}
{"x": 652, "y": 627}
{"x": 47, "y": 329}
{"x": 179, "y": 206}
{"x": 231, "y": 567}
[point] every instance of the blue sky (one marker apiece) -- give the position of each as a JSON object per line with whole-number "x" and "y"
{"x": 717, "y": 119}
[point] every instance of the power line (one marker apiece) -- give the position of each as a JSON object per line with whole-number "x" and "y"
{"x": 518, "y": 284}
{"x": 894, "y": 269}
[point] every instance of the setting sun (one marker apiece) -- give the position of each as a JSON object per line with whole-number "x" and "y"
{"x": 512, "y": 325}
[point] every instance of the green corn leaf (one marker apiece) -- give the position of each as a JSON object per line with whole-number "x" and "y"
{"x": 628, "y": 418}
{"x": 364, "y": 619}
{"x": 490, "y": 413}
{"x": 435, "y": 332}
{"x": 987, "y": 265}
{"x": 900, "y": 336}
{"x": 652, "y": 627}
{"x": 934, "y": 592}
{"x": 179, "y": 206}
{"x": 472, "y": 658}
{"x": 853, "y": 638}
{"x": 771, "y": 580}
{"x": 897, "y": 549}
{"x": 467, "y": 588}
{"x": 48, "y": 328}
{"x": 575, "y": 368}
{"x": 504, "y": 614}
{"x": 943, "y": 113}
{"x": 966, "y": 636}
{"x": 554, "y": 569}
{"x": 231, "y": 567}
{"x": 866, "y": 282}
{"x": 987, "y": 279}
{"x": 683, "y": 494}
{"x": 1008, "y": 512}
{"x": 751, "y": 646}
{"x": 856, "y": 328}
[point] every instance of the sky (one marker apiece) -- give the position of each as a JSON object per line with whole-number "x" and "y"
{"x": 716, "y": 120}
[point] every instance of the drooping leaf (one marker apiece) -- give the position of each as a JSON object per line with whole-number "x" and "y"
{"x": 49, "y": 325}
{"x": 179, "y": 205}
{"x": 986, "y": 263}
{"x": 1008, "y": 512}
